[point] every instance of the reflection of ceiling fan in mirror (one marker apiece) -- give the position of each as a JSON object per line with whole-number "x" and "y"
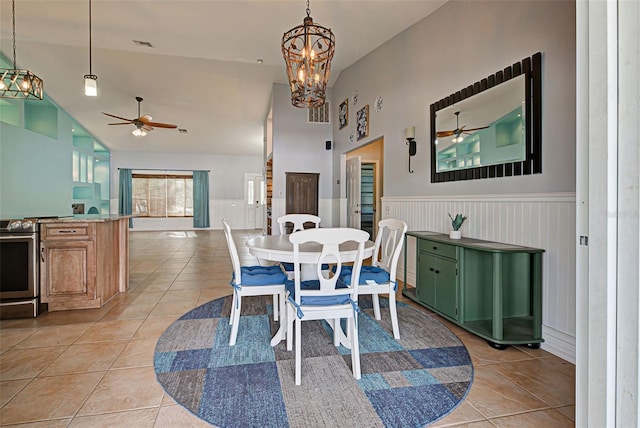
{"x": 458, "y": 131}
{"x": 142, "y": 123}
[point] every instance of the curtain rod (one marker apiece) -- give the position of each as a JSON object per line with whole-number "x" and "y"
{"x": 168, "y": 169}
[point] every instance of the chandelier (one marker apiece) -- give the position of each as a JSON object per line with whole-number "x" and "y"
{"x": 19, "y": 83}
{"x": 308, "y": 50}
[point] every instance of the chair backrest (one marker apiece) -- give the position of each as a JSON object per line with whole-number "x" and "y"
{"x": 388, "y": 245}
{"x": 298, "y": 221}
{"x": 233, "y": 250}
{"x": 330, "y": 239}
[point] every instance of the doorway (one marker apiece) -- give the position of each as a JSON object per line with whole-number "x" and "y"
{"x": 254, "y": 198}
{"x": 364, "y": 170}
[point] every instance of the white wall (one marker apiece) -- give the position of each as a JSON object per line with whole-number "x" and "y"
{"x": 298, "y": 146}
{"x": 462, "y": 43}
{"x": 226, "y": 184}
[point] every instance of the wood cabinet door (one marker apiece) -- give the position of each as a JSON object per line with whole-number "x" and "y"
{"x": 426, "y": 284}
{"x": 446, "y": 286}
{"x": 68, "y": 271}
{"x": 437, "y": 283}
{"x": 302, "y": 193}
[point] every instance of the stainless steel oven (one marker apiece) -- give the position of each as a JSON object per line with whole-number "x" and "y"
{"x": 19, "y": 267}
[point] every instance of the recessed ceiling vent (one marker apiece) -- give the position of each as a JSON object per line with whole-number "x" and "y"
{"x": 182, "y": 130}
{"x": 142, "y": 43}
{"x": 319, "y": 114}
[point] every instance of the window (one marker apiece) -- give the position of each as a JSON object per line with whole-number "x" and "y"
{"x": 162, "y": 195}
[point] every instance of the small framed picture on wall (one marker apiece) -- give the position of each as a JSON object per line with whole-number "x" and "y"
{"x": 343, "y": 113}
{"x": 362, "y": 122}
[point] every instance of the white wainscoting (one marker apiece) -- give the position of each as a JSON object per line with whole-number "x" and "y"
{"x": 544, "y": 221}
{"x": 231, "y": 209}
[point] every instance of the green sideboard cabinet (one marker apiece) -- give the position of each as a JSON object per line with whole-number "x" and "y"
{"x": 491, "y": 289}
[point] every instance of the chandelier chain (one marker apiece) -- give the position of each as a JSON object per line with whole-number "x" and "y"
{"x": 13, "y": 22}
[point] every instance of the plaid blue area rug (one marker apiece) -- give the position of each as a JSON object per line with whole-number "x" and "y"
{"x": 407, "y": 383}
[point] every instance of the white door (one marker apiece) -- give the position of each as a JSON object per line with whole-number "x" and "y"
{"x": 254, "y": 200}
{"x": 353, "y": 192}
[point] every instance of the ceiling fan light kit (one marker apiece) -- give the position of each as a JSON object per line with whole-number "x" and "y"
{"x": 17, "y": 83}
{"x": 308, "y": 50}
{"x": 90, "y": 80}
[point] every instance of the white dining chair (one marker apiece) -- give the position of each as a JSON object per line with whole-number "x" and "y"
{"x": 380, "y": 277}
{"x": 252, "y": 281}
{"x": 297, "y": 221}
{"x": 325, "y": 297}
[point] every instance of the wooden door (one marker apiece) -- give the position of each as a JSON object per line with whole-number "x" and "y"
{"x": 302, "y": 193}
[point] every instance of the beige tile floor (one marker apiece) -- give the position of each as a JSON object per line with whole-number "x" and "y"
{"x": 94, "y": 368}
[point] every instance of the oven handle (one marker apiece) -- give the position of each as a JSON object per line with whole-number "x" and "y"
{"x": 17, "y": 237}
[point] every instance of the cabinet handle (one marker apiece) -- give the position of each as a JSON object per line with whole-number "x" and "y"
{"x": 67, "y": 231}
{"x": 431, "y": 269}
{"x": 42, "y": 254}
{"x": 435, "y": 248}
{"x": 437, "y": 271}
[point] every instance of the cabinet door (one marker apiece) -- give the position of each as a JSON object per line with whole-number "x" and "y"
{"x": 446, "y": 285}
{"x": 67, "y": 271}
{"x": 426, "y": 284}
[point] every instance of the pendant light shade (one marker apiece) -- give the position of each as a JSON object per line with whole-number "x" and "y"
{"x": 19, "y": 83}
{"x": 90, "y": 80}
{"x": 308, "y": 50}
{"x": 90, "y": 85}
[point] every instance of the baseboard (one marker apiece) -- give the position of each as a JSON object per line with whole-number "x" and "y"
{"x": 559, "y": 344}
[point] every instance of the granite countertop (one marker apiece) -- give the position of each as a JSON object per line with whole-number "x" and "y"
{"x": 85, "y": 218}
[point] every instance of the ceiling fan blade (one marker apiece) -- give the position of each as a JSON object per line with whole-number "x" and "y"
{"x": 162, "y": 125}
{"x": 146, "y": 119}
{"x": 147, "y": 127}
{"x": 120, "y": 123}
{"x": 442, "y": 134}
{"x": 466, "y": 131}
{"x": 118, "y": 117}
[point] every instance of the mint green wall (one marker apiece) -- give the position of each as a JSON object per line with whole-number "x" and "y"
{"x": 35, "y": 169}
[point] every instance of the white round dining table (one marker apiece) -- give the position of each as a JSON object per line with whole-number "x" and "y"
{"x": 278, "y": 248}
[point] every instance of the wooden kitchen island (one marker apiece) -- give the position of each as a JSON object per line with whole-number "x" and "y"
{"x": 84, "y": 260}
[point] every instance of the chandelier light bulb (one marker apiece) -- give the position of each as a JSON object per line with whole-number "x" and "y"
{"x": 138, "y": 132}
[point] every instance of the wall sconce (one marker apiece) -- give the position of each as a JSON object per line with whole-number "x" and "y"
{"x": 410, "y": 135}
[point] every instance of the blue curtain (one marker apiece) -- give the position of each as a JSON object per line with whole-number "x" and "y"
{"x": 201, "y": 199}
{"x": 126, "y": 194}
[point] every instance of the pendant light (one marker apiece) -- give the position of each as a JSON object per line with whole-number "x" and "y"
{"x": 308, "y": 50}
{"x": 90, "y": 80}
{"x": 19, "y": 83}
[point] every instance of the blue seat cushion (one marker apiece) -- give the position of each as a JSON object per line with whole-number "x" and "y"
{"x": 260, "y": 269}
{"x": 374, "y": 273}
{"x": 314, "y": 284}
{"x": 289, "y": 266}
{"x": 261, "y": 275}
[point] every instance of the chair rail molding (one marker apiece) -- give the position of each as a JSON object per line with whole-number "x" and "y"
{"x": 540, "y": 220}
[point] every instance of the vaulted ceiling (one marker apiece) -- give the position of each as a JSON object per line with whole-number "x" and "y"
{"x": 202, "y": 71}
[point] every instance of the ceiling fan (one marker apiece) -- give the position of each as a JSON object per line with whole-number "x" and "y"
{"x": 459, "y": 129}
{"x": 143, "y": 123}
